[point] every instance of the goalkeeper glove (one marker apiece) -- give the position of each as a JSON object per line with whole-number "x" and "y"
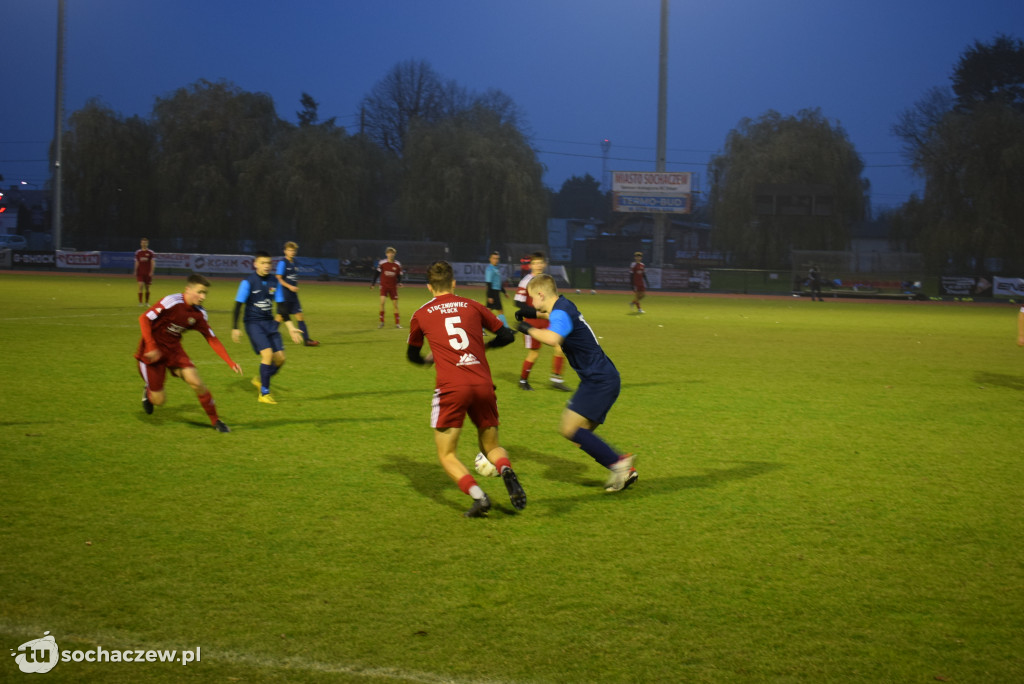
{"x": 525, "y": 312}
{"x": 524, "y": 327}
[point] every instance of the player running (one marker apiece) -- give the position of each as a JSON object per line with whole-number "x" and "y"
{"x": 538, "y": 263}
{"x": 599, "y": 379}
{"x": 638, "y": 277}
{"x": 160, "y": 348}
{"x": 390, "y": 273}
{"x": 256, "y": 294}
{"x": 287, "y": 296}
{"x": 454, "y": 325}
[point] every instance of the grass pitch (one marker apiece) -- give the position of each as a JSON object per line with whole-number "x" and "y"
{"x": 828, "y": 492}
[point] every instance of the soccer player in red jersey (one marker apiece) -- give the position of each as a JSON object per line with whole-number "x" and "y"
{"x": 145, "y": 265}
{"x": 390, "y": 273}
{"x": 160, "y": 348}
{"x": 638, "y": 276}
{"x": 538, "y": 263}
{"x": 454, "y": 326}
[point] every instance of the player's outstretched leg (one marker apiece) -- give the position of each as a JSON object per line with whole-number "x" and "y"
{"x": 467, "y": 483}
{"x": 515, "y": 491}
{"x": 504, "y": 467}
{"x": 479, "y": 508}
{"x": 623, "y": 474}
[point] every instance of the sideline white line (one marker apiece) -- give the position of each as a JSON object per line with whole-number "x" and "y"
{"x": 291, "y": 663}
{"x": 63, "y": 316}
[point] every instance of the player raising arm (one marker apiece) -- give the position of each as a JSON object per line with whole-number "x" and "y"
{"x": 160, "y": 348}
{"x": 599, "y": 379}
{"x": 463, "y": 385}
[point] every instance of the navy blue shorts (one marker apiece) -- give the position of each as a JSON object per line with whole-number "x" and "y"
{"x": 264, "y": 335}
{"x": 493, "y": 300}
{"x": 289, "y": 307}
{"x": 594, "y": 398}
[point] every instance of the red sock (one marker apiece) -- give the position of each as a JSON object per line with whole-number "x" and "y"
{"x": 466, "y": 482}
{"x": 140, "y": 298}
{"x": 502, "y": 462}
{"x": 527, "y": 367}
{"x": 210, "y": 406}
{"x": 557, "y": 364}
{"x": 382, "y": 315}
{"x": 397, "y": 319}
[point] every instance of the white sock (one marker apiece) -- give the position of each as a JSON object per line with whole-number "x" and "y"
{"x": 476, "y": 492}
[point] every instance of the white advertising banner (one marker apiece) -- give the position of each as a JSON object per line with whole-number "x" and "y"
{"x": 650, "y": 204}
{"x": 221, "y": 263}
{"x": 651, "y": 192}
{"x": 651, "y": 182}
{"x": 205, "y": 263}
{"x": 67, "y": 259}
{"x": 473, "y": 272}
{"x": 1008, "y": 287}
{"x": 173, "y": 260}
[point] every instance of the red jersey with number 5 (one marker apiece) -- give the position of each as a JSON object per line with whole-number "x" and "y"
{"x": 453, "y": 325}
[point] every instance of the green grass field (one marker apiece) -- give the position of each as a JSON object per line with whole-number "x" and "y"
{"x": 828, "y": 492}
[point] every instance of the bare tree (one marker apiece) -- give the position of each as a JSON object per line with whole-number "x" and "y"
{"x": 411, "y": 91}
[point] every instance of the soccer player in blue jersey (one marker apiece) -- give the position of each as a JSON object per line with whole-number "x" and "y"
{"x": 256, "y": 294}
{"x": 495, "y": 287}
{"x": 599, "y": 379}
{"x": 287, "y": 296}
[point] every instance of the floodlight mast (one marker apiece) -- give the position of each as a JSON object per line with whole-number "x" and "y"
{"x": 58, "y": 131}
{"x": 660, "y": 220}
{"x": 606, "y": 146}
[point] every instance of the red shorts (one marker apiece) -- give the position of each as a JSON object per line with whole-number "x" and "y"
{"x": 391, "y": 292}
{"x": 639, "y": 289}
{"x": 450, "y": 405}
{"x": 154, "y": 373}
{"x": 146, "y": 278}
{"x": 536, "y": 323}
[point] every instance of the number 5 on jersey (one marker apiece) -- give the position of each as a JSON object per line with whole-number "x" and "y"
{"x": 459, "y": 340}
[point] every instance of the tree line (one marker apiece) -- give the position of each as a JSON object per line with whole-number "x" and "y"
{"x": 432, "y": 160}
{"x": 213, "y": 167}
{"x": 966, "y": 141}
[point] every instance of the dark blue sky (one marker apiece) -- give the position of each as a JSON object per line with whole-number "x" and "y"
{"x": 581, "y": 70}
